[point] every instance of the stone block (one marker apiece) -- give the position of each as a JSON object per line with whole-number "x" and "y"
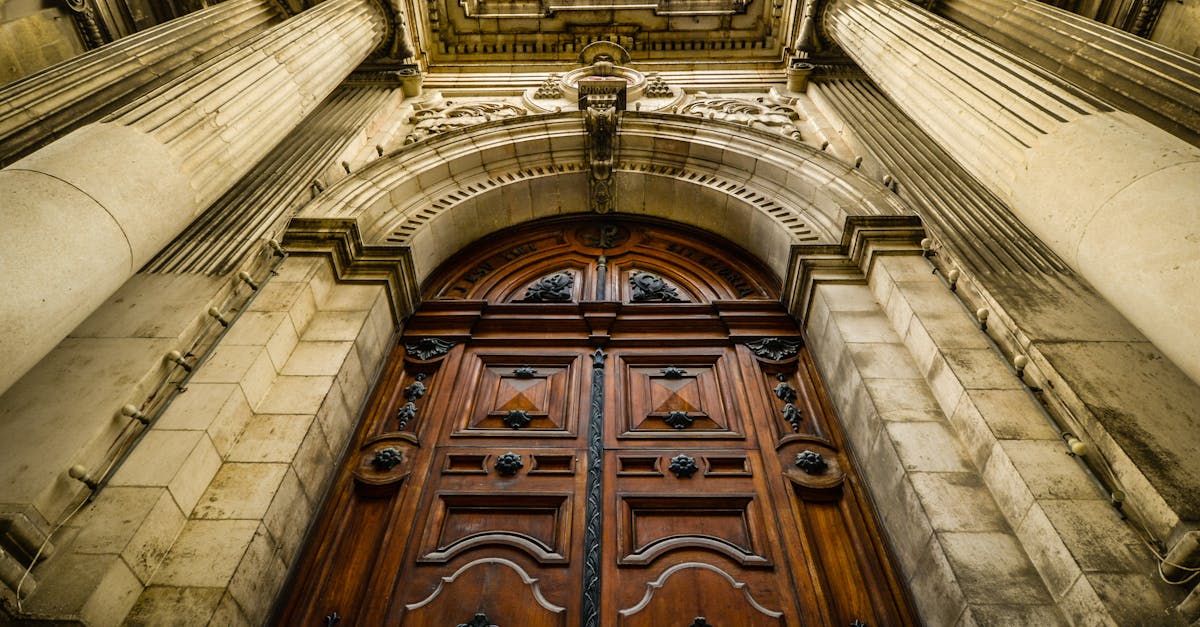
{"x": 157, "y": 458}
{"x": 864, "y": 327}
{"x": 258, "y": 578}
{"x": 1097, "y": 537}
{"x": 112, "y": 596}
{"x": 935, "y": 588}
{"x": 927, "y": 446}
{"x": 298, "y": 269}
{"x": 196, "y": 406}
{"x": 287, "y": 517}
{"x": 195, "y": 474}
{"x": 277, "y": 296}
{"x": 281, "y": 343}
{"x": 1012, "y": 414}
{"x": 973, "y": 432}
{"x": 1046, "y": 550}
{"x": 991, "y": 567}
{"x": 1049, "y": 471}
{"x": 271, "y": 438}
{"x": 946, "y": 387}
{"x": 229, "y": 614}
{"x": 906, "y": 267}
{"x": 842, "y": 297}
{"x": 903, "y": 400}
{"x": 242, "y": 491}
{"x": 252, "y": 327}
{"x": 317, "y": 358}
{"x": 334, "y": 326}
{"x": 108, "y": 524}
{"x": 924, "y": 350}
{"x": 1134, "y": 599}
{"x": 314, "y": 462}
{"x": 883, "y": 361}
{"x": 249, "y": 366}
{"x": 1082, "y": 606}
{"x": 981, "y": 369}
{"x": 206, "y": 554}
{"x": 351, "y": 297}
{"x": 295, "y": 395}
{"x": 353, "y": 380}
{"x": 230, "y": 422}
{"x": 149, "y": 545}
{"x": 907, "y": 525}
{"x": 1008, "y": 488}
{"x": 161, "y": 606}
{"x": 957, "y": 501}
{"x": 335, "y": 420}
{"x": 302, "y": 311}
{"x": 1009, "y": 615}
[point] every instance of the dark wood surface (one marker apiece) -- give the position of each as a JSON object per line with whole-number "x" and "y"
{"x": 703, "y": 511}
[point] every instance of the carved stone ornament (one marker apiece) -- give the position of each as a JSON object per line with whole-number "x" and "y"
{"x": 551, "y": 288}
{"x": 785, "y": 392}
{"x": 646, "y": 287}
{"x": 524, "y": 372}
{"x": 775, "y": 348}
{"x": 751, "y": 112}
{"x": 550, "y": 89}
{"x": 811, "y": 462}
{"x": 679, "y": 420}
{"x": 517, "y": 418}
{"x": 479, "y": 620}
{"x": 429, "y": 347}
{"x": 656, "y": 87}
{"x": 683, "y": 466}
{"x": 386, "y": 459}
{"x": 447, "y": 116}
{"x": 671, "y": 372}
{"x": 792, "y": 415}
{"x": 405, "y": 414}
{"x": 600, "y": 119}
{"x": 416, "y": 390}
{"x": 508, "y": 464}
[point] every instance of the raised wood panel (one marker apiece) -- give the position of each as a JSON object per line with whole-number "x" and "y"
{"x": 694, "y": 590}
{"x": 499, "y": 589}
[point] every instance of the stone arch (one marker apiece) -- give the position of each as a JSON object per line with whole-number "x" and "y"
{"x": 762, "y": 191}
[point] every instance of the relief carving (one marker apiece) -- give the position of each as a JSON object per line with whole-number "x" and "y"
{"x": 646, "y": 287}
{"x": 448, "y": 117}
{"x": 754, "y": 113}
{"x": 554, "y": 288}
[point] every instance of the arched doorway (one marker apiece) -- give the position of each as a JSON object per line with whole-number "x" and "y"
{"x": 598, "y": 420}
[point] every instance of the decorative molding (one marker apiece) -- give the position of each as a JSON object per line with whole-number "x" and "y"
{"x": 532, "y": 582}
{"x": 446, "y": 116}
{"x": 594, "y": 514}
{"x": 508, "y": 464}
{"x": 600, "y": 123}
{"x": 759, "y": 112}
{"x": 683, "y": 466}
{"x": 775, "y": 348}
{"x": 657, "y": 584}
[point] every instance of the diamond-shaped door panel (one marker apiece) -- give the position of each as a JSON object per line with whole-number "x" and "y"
{"x": 519, "y": 396}
{"x": 676, "y": 397}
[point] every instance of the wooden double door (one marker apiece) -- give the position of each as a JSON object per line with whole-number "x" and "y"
{"x": 597, "y": 422}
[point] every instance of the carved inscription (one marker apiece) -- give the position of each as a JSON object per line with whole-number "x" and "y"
{"x": 736, "y": 280}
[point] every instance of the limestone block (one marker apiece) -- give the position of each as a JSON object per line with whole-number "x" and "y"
{"x": 336, "y": 420}
{"x": 1082, "y": 606}
{"x": 1131, "y": 599}
{"x": 957, "y": 501}
{"x": 1046, "y": 550}
{"x": 282, "y": 342}
{"x": 864, "y": 326}
{"x": 277, "y": 296}
{"x": 295, "y": 395}
{"x": 992, "y": 568}
{"x": 334, "y": 326}
{"x": 108, "y": 524}
{"x": 317, "y": 358}
{"x": 241, "y": 491}
{"x": 112, "y": 596}
{"x": 161, "y": 606}
{"x": 228, "y": 614}
{"x": 305, "y": 307}
{"x": 271, "y": 438}
{"x": 314, "y": 462}
{"x": 1008, "y": 487}
{"x": 908, "y": 529}
{"x": 353, "y": 376}
{"x": 973, "y": 433}
{"x": 935, "y": 589}
{"x": 946, "y": 387}
{"x": 903, "y": 400}
{"x": 883, "y": 361}
{"x": 196, "y": 406}
{"x": 927, "y": 446}
{"x": 1049, "y": 471}
{"x": 252, "y": 326}
{"x": 287, "y": 517}
{"x": 1096, "y": 536}
{"x": 149, "y": 545}
{"x": 230, "y": 422}
{"x": 351, "y": 297}
{"x": 980, "y": 369}
{"x": 297, "y": 269}
{"x": 249, "y": 366}
{"x": 258, "y": 577}
{"x": 1015, "y": 615}
{"x": 1012, "y": 414}
{"x": 152, "y": 305}
{"x": 195, "y": 473}
{"x": 157, "y": 458}
{"x": 206, "y": 554}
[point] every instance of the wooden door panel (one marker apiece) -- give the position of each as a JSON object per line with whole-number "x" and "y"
{"x": 699, "y": 594}
{"x": 524, "y": 396}
{"x": 500, "y": 591}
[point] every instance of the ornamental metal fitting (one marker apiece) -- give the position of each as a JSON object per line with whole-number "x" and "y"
{"x": 775, "y": 348}
{"x": 386, "y": 459}
{"x": 480, "y": 620}
{"x": 679, "y": 419}
{"x": 683, "y": 466}
{"x": 405, "y": 414}
{"x": 429, "y": 347}
{"x": 671, "y": 372}
{"x": 646, "y": 287}
{"x": 811, "y": 462}
{"x": 700, "y": 621}
{"x": 524, "y": 372}
{"x": 550, "y": 289}
{"x": 517, "y": 418}
{"x": 792, "y": 415}
{"x": 508, "y": 464}
{"x": 416, "y": 390}
{"x": 785, "y": 392}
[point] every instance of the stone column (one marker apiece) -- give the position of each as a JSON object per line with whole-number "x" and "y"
{"x": 84, "y": 213}
{"x": 1135, "y": 75}
{"x": 1110, "y": 193}
{"x": 40, "y": 108}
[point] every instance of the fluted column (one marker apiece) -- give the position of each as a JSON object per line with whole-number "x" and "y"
{"x": 81, "y": 215}
{"x": 40, "y": 108}
{"x": 1151, "y": 81}
{"x": 1111, "y": 194}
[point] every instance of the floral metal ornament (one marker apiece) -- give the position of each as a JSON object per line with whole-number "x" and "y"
{"x": 416, "y": 390}
{"x": 775, "y": 348}
{"x": 811, "y": 462}
{"x": 508, "y": 464}
{"x": 679, "y": 419}
{"x": 683, "y": 466}
{"x": 524, "y": 372}
{"x": 792, "y": 415}
{"x": 671, "y": 372}
{"x": 785, "y": 392}
{"x": 480, "y": 620}
{"x": 552, "y": 288}
{"x": 647, "y": 287}
{"x": 405, "y": 414}
{"x": 429, "y": 347}
{"x": 386, "y": 459}
{"x": 517, "y": 418}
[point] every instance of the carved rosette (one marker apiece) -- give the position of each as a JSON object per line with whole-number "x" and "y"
{"x": 383, "y": 464}
{"x": 811, "y": 462}
{"x": 811, "y": 465}
{"x": 683, "y": 466}
{"x": 508, "y": 464}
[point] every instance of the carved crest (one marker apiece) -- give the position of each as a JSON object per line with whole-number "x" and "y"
{"x": 646, "y": 287}
{"x": 757, "y": 113}
{"x": 551, "y": 288}
{"x": 449, "y": 116}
